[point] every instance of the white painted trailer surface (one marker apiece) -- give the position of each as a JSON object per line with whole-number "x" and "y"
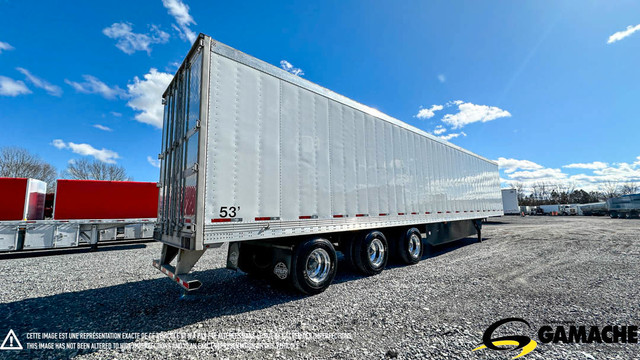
{"x": 251, "y": 152}
{"x": 548, "y": 209}
{"x": 510, "y": 202}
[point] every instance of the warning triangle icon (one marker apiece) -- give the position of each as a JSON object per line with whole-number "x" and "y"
{"x": 11, "y": 342}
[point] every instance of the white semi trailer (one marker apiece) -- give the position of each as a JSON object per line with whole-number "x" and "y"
{"x": 510, "y": 202}
{"x": 288, "y": 172}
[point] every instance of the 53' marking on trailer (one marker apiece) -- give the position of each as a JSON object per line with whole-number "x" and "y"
{"x": 229, "y": 211}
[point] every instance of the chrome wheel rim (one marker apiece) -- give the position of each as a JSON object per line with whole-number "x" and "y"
{"x": 415, "y": 244}
{"x": 376, "y": 253}
{"x": 318, "y": 265}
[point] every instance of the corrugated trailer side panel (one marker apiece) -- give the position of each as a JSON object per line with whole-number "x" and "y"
{"x": 92, "y": 199}
{"x": 12, "y": 198}
{"x": 292, "y": 161}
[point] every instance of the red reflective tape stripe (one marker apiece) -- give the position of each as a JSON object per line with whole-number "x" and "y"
{"x": 448, "y": 212}
{"x": 439, "y": 212}
{"x": 414, "y": 213}
{"x": 338, "y": 216}
{"x": 188, "y": 221}
{"x": 381, "y": 214}
{"x": 400, "y": 213}
{"x": 220, "y": 220}
{"x": 427, "y": 212}
{"x": 304, "y": 217}
{"x": 457, "y": 211}
{"x": 361, "y": 215}
{"x": 263, "y": 218}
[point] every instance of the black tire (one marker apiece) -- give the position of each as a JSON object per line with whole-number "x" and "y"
{"x": 409, "y": 250}
{"x": 347, "y": 251}
{"x": 613, "y": 214}
{"x": 302, "y": 254}
{"x": 362, "y": 257}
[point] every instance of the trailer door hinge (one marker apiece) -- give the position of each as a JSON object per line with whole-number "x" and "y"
{"x": 164, "y": 101}
{"x": 195, "y": 167}
{"x": 160, "y": 156}
{"x": 197, "y": 124}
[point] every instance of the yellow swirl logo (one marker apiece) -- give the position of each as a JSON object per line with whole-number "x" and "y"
{"x": 507, "y": 343}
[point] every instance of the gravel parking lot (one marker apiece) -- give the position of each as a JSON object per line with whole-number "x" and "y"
{"x": 546, "y": 270}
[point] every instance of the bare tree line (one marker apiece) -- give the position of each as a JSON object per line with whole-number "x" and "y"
{"x": 546, "y": 193}
{"x": 20, "y": 163}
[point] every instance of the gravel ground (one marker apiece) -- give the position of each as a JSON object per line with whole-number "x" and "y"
{"x": 547, "y": 270}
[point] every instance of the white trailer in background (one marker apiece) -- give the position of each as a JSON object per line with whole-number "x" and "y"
{"x": 287, "y": 172}
{"x": 593, "y": 209}
{"x": 560, "y": 209}
{"x": 510, "y": 202}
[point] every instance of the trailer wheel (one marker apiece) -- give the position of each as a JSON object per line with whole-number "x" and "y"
{"x": 409, "y": 246}
{"x": 370, "y": 253}
{"x": 347, "y": 251}
{"x": 313, "y": 266}
{"x": 613, "y": 214}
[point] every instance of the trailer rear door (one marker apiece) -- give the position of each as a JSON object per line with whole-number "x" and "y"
{"x": 179, "y": 156}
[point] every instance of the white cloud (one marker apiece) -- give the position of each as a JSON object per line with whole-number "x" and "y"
{"x": 93, "y": 85}
{"x": 511, "y": 165}
{"x": 104, "y": 155}
{"x": 452, "y": 135}
{"x": 58, "y": 143}
{"x": 102, "y": 127}
{"x": 471, "y": 113}
{"x": 546, "y": 173}
{"x": 146, "y": 96}
{"x": 39, "y": 83}
{"x": 116, "y": 114}
{"x": 623, "y": 34}
{"x": 153, "y": 162}
{"x": 453, "y": 103}
{"x": 290, "y": 68}
{"x": 442, "y": 78}
{"x": 593, "y": 165}
{"x": 10, "y": 87}
{"x": 130, "y": 42}
{"x": 439, "y": 130}
{"x": 180, "y": 12}
{"x": 429, "y": 113}
{"x": 5, "y": 46}
{"x": 598, "y": 173}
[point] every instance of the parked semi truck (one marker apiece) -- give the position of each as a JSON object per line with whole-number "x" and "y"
{"x": 559, "y": 209}
{"x": 623, "y": 207}
{"x": 288, "y": 172}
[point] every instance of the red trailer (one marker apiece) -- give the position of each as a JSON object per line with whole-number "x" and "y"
{"x": 22, "y": 199}
{"x": 92, "y": 199}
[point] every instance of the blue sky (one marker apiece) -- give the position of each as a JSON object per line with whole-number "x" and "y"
{"x": 548, "y": 88}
